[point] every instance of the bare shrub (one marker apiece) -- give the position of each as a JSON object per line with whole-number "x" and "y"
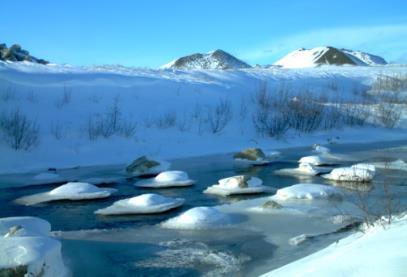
{"x": 18, "y": 131}
{"x": 57, "y": 130}
{"x": 110, "y": 123}
{"x": 65, "y": 98}
{"x": 388, "y": 114}
{"x": 8, "y": 94}
{"x": 355, "y": 114}
{"x": 184, "y": 123}
{"x": 270, "y": 116}
{"x": 32, "y": 97}
{"x": 394, "y": 83}
{"x": 219, "y": 116}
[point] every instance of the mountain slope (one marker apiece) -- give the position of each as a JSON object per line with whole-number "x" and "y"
{"x": 217, "y": 59}
{"x": 328, "y": 55}
{"x": 16, "y": 54}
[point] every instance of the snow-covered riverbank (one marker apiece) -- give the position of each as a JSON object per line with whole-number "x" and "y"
{"x": 164, "y": 113}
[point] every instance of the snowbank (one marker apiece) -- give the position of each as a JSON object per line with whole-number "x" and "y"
{"x": 143, "y": 204}
{"x": 237, "y": 185}
{"x": 309, "y": 192}
{"x": 377, "y": 252}
{"x": 199, "y": 218}
{"x": 27, "y": 249}
{"x": 69, "y": 191}
{"x": 167, "y": 179}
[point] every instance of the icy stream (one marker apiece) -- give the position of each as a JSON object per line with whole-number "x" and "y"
{"x": 257, "y": 241}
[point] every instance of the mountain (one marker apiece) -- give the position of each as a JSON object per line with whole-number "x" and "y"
{"x": 217, "y": 59}
{"x": 327, "y": 55}
{"x": 16, "y": 54}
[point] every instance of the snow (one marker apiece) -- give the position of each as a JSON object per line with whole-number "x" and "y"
{"x": 30, "y": 247}
{"x": 365, "y": 166}
{"x": 396, "y": 165}
{"x": 173, "y": 178}
{"x": 68, "y": 191}
{"x": 308, "y": 192}
{"x": 302, "y": 58}
{"x": 362, "y": 58}
{"x": 216, "y": 59}
{"x": 237, "y": 185}
{"x": 356, "y": 173}
{"x": 146, "y": 97}
{"x": 30, "y": 226}
{"x": 302, "y": 169}
{"x": 46, "y": 176}
{"x": 321, "y": 149}
{"x": 379, "y": 251}
{"x": 199, "y": 218}
{"x": 313, "y": 160}
{"x": 143, "y": 204}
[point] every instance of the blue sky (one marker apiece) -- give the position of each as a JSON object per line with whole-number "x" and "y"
{"x": 153, "y": 32}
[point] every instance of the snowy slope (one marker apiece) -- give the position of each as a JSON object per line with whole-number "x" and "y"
{"x": 380, "y": 251}
{"x": 327, "y": 55}
{"x": 170, "y": 110}
{"x": 363, "y": 58}
{"x": 217, "y": 59}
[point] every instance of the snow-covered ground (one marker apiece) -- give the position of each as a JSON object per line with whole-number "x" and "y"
{"x": 378, "y": 251}
{"x": 164, "y": 113}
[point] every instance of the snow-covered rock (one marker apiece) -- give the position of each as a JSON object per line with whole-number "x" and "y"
{"x": 308, "y": 191}
{"x": 147, "y": 166}
{"x": 356, "y": 255}
{"x": 327, "y": 55}
{"x": 314, "y": 160}
{"x": 252, "y": 156}
{"x": 15, "y": 53}
{"x": 143, "y": 204}
{"x": 27, "y": 250}
{"x": 217, "y": 59}
{"x": 174, "y": 178}
{"x": 359, "y": 173}
{"x": 303, "y": 169}
{"x": 198, "y": 218}
{"x": 68, "y": 191}
{"x": 320, "y": 149}
{"x": 241, "y": 184}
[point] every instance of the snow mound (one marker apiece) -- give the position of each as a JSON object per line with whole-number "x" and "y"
{"x": 142, "y": 204}
{"x": 173, "y": 178}
{"x": 356, "y": 255}
{"x": 69, "y": 191}
{"x": 29, "y": 251}
{"x": 241, "y": 184}
{"x": 147, "y": 166}
{"x": 198, "y": 218}
{"x": 356, "y": 173}
{"x": 302, "y": 169}
{"x": 46, "y": 176}
{"x": 217, "y": 59}
{"x": 308, "y": 191}
{"x": 313, "y": 160}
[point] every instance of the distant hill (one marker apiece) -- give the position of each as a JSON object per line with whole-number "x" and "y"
{"x": 328, "y": 55}
{"x": 217, "y": 59}
{"x": 16, "y": 54}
